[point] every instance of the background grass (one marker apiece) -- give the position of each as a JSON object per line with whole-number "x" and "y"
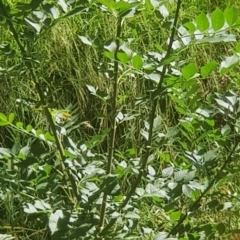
{"x": 67, "y": 66}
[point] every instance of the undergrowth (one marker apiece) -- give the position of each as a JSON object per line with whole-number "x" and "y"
{"x": 113, "y": 125}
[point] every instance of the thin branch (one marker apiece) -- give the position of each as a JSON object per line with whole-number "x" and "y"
{"x": 196, "y": 203}
{"x": 113, "y": 124}
{"x": 148, "y": 143}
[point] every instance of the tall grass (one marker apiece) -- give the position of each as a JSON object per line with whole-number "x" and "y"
{"x": 67, "y": 66}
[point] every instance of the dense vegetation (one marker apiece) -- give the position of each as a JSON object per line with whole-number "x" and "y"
{"x": 119, "y": 119}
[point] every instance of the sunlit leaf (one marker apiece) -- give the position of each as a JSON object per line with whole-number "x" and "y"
{"x": 196, "y": 185}
{"x": 237, "y": 47}
{"x": 125, "y": 48}
{"x": 224, "y": 104}
{"x": 55, "y": 12}
{"x": 172, "y": 185}
{"x": 207, "y": 69}
{"x": 210, "y": 122}
{"x": 49, "y": 137}
{"x": 147, "y": 230}
{"x": 180, "y": 110}
{"x": 226, "y": 130}
{"x": 41, "y": 205}
{"x": 125, "y": 9}
{"x": 176, "y": 44}
{"x": 92, "y": 89}
{"x": 35, "y": 26}
{"x": 140, "y": 191}
{"x": 189, "y": 71}
{"x": 19, "y": 124}
{"x": 39, "y": 131}
{"x": 190, "y": 176}
{"x": 6, "y": 237}
{"x": 204, "y": 112}
{"x": 132, "y": 215}
{"x": 122, "y": 5}
{"x": 231, "y": 15}
{"x": 228, "y": 63}
{"x": 109, "y": 4}
{"x": 179, "y": 176}
{"x": 29, "y": 128}
{"x": 137, "y": 62}
{"x": 16, "y": 147}
{"x": 63, "y": 5}
{"x": 187, "y": 191}
{"x": 29, "y": 208}
{"x": 3, "y": 117}
{"x": 190, "y": 26}
{"x": 184, "y": 34}
{"x": 157, "y": 123}
{"x": 120, "y": 116}
{"x": 3, "y": 120}
{"x": 175, "y": 215}
{"x": 123, "y": 57}
{"x": 217, "y": 18}
{"x": 151, "y": 171}
{"x": 155, "y": 3}
{"x": 85, "y": 40}
{"x": 110, "y": 56}
{"x": 164, "y": 11}
{"x": 227, "y": 205}
{"x": 167, "y": 172}
{"x": 163, "y": 236}
{"x": 54, "y": 219}
{"x": 25, "y": 150}
{"x": 202, "y": 22}
{"x": 154, "y": 76}
{"x": 5, "y": 152}
{"x": 115, "y": 215}
{"x": 111, "y": 46}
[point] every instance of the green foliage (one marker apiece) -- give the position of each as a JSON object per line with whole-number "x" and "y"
{"x": 165, "y": 184}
